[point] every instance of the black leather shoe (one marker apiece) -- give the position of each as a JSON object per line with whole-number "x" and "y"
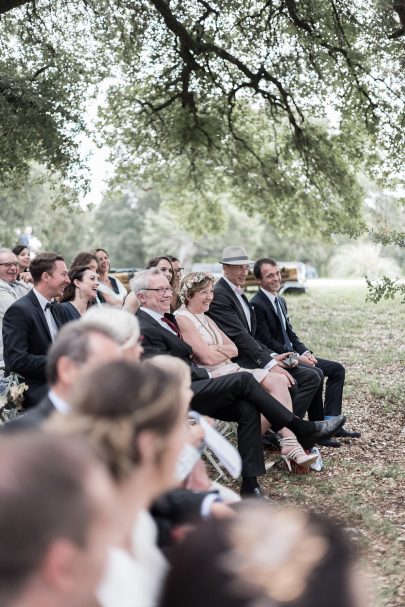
{"x": 256, "y": 493}
{"x": 271, "y": 441}
{"x": 343, "y": 433}
{"x": 329, "y": 442}
{"x": 324, "y": 429}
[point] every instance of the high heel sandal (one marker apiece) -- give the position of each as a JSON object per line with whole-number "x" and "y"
{"x": 296, "y": 453}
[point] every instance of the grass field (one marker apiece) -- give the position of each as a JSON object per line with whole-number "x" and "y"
{"x": 363, "y": 482}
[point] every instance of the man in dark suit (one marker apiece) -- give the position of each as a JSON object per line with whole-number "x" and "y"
{"x": 31, "y": 323}
{"x": 274, "y": 329}
{"x": 235, "y": 397}
{"x": 78, "y": 347}
{"x": 233, "y": 313}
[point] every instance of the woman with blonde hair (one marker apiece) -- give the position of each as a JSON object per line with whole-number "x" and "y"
{"x": 134, "y": 416}
{"x": 123, "y": 325}
{"x": 213, "y": 350}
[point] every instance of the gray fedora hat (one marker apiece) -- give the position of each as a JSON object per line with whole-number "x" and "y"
{"x": 235, "y": 256}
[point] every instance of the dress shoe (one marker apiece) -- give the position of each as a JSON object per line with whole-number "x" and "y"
{"x": 323, "y": 429}
{"x": 329, "y": 442}
{"x": 343, "y": 433}
{"x": 255, "y": 493}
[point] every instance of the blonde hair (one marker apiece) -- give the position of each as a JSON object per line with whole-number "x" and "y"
{"x": 123, "y": 325}
{"x": 175, "y": 366}
{"x": 193, "y": 283}
{"x": 115, "y": 403}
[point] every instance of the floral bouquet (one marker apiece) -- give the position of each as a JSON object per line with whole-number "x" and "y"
{"x": 11, "y": 396}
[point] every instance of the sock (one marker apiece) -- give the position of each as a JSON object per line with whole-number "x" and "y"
{"x": 249, "y": 483}
{"x": 301, "y": 427}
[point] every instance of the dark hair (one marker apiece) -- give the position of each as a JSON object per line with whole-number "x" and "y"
{"x": 152, "y": 263}
{"x": 84, "y": 258}
{"x": 75, "y": 273}
{"x": 115, "y": 403}
{"x": 72, "y": 341}
{"x": 43, "y": 498}
{"x": 172, "y": 258}
{"x": 257, "y": 268}
{"x": 224, "y": 554}
{"x": 44, "y": 262}
{"x": 19, "y": 249}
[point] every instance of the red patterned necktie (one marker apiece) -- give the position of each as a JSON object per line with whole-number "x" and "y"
{"x": 173, "y": 326}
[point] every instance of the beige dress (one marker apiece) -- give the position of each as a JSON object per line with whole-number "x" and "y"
{"x": 210, "y": 333}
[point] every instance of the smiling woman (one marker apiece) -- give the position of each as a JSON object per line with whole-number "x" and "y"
{"x": 80, "y": 293}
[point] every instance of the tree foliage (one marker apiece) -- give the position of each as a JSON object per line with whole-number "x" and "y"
{"x": 279, "y": 103}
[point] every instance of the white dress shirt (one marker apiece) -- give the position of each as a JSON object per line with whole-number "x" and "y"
{"x": 53, "y": 329}
{"x": 58, "y": 402}
{"x": 272, "y": 299}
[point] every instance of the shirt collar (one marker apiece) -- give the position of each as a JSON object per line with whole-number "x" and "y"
{"x": 269, "y": 295}
{"x": 58, "y": 402}
{"x": 42, "y": 300}
{"x": 153, "y": 313}
{"x": 235, "y": 289}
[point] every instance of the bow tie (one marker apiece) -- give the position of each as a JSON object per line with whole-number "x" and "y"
{"x": 50, "y": 305}
{"x": 239, "y": 290}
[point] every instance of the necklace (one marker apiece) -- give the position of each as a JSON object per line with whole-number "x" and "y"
{"x": 207, "y": 327}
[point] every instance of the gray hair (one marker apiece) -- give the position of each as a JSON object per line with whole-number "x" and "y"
{"x": 140, "y": 281}
{"x": 5, "y": 250}
{"x": 72, "y": 341}
{"x": 123, "y": 325}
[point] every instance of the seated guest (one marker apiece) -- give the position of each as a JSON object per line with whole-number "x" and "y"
{"x": 56, "y": 521}
{"x": 31, "y": 323}
{"x": 236, "y": 397}
{"x": 134, "y": 417}
{"x": 80, "y": 293}
{"x": 213, "y": 350}
{"x": 267, "y": 557}
{"x": 236, "y": 317}
{"x": 123, "y": 326}
{"x": 165, "y": 266}
{"x": 177, "y": 273}
{"x": 78, "y": 347}
{"x": 24, "y": 259}
{"x": 89, "y": 259}
{"x": 111, "y": 287}
{"x": 274, "y": 329}
{"x": 11, "y": 288}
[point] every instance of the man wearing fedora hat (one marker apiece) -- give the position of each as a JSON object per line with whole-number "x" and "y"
{"x": 234, "y": 314}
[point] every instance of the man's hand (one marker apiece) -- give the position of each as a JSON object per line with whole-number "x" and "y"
{"x": 310, "y": 357}
{"x": 306, "y": 360}
{"x": 278, "y": 369}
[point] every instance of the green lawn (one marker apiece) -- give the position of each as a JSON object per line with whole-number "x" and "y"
{"x": 363, "y": 483}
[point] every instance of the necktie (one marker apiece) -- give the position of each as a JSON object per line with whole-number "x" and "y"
{"x": 283, "y": 324}
{"x": 172, "y": 325}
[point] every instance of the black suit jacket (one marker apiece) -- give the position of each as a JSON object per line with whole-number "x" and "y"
{"x": 26, "y": 341}
{"x": 269, "y": 329}
{"x": 228, "y": 313}
{"x": 157, "y": 340}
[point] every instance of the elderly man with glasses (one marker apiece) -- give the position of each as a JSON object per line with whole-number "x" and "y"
{"x": 11, "y": 289}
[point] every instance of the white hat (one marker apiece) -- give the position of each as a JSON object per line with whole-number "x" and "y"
{"x": 235, "y": 256}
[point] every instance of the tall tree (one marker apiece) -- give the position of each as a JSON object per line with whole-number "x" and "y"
{"x": 213, "y": 96}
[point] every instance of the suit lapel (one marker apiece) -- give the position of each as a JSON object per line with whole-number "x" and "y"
{"x": 240, "y": 311}
{"x": 168, "y": 334}
{"x": 38, "y": 311}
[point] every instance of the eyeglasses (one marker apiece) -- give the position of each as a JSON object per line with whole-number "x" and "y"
{"x": 161, "y": 291}
{"x": 9, "y": 264}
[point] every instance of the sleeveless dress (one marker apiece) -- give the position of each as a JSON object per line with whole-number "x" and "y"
{"x": 210, "y": 333}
